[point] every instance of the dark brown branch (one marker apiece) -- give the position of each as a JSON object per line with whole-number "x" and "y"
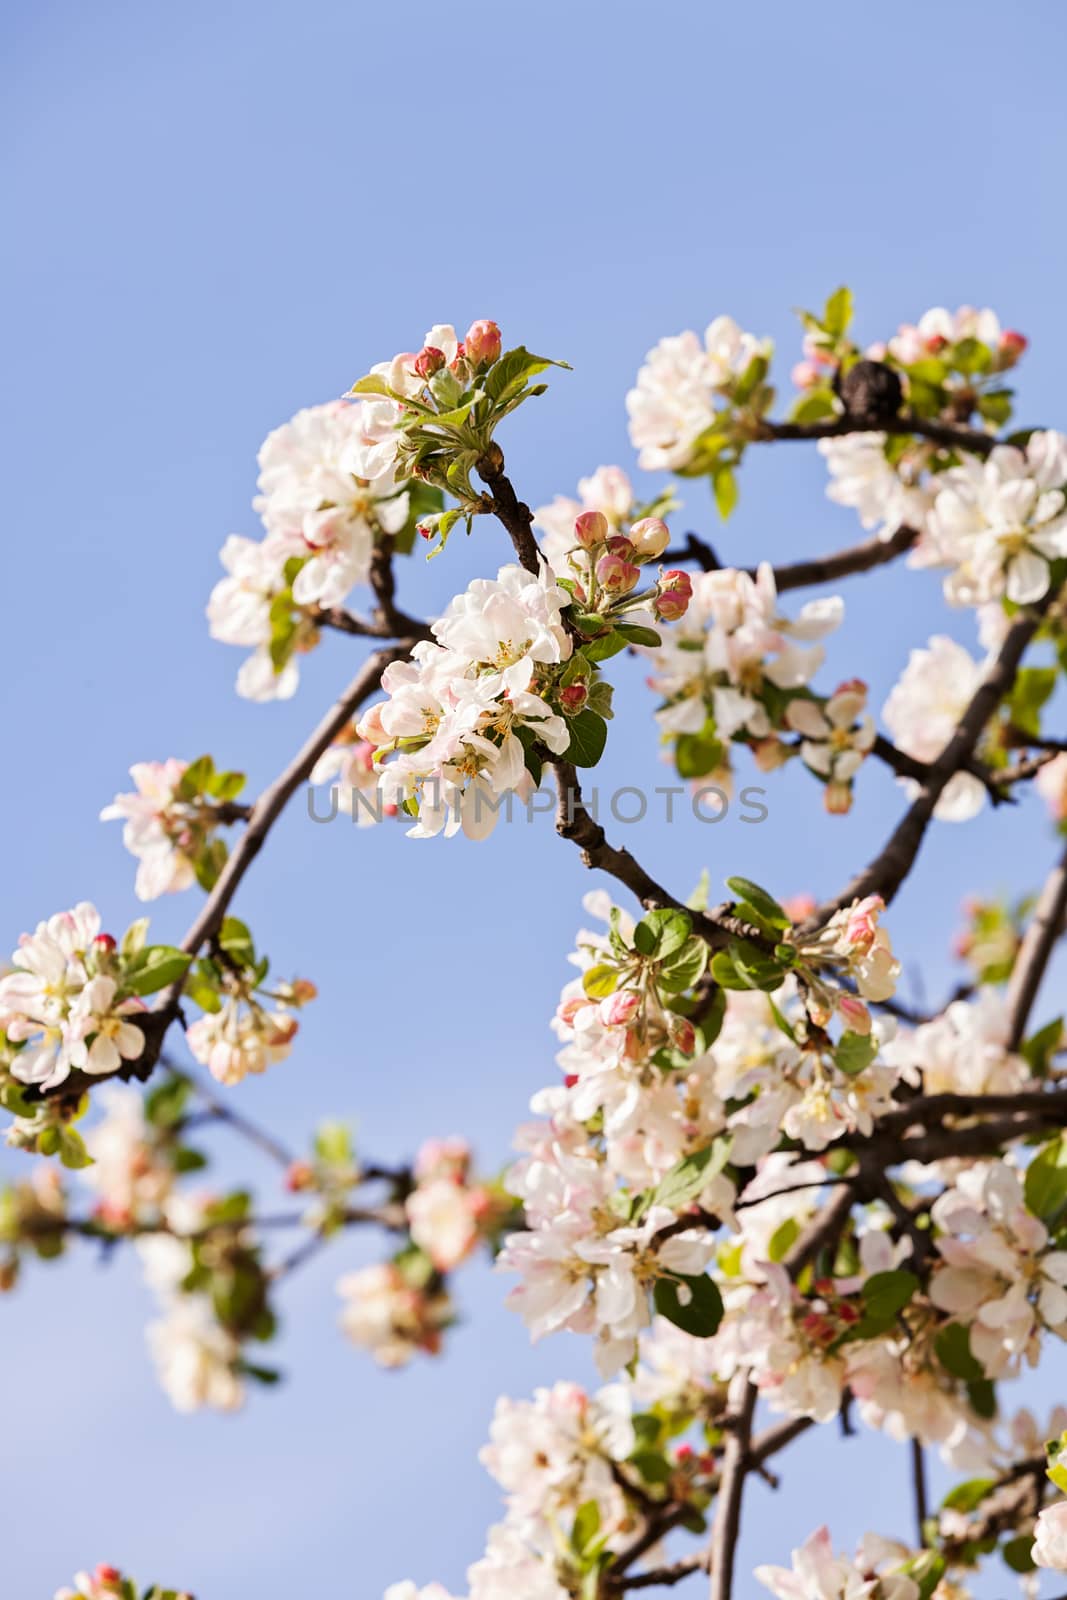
{"x": 1039, "y": 941}
{"x": 343, "y": 621}
{"x": 819, "y": 569}
{"x": 918, "y": 1480}
{"x": 516, "y": 517}
{"x": 939, "y": 433}
{"x": 727, "y": 1526}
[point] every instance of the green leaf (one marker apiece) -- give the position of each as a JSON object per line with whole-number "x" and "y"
{"x": 589, "y": 735}
{"x": 764, "y": 904}
{"x": 783, "y": 1238}
{"x": 373, "y": 383}
{"x": 633, "y": 634}
{"x": 1038, "y": 1050}
{"x": 134, "y": 939}
{"x": 884, "y": 1296}
{"x": 815, "y": 405}
{"x": 586, "y": 1526}
{"x": 235, "y": 941}
{"x": 196, "y": 777}
{"x": 690, "y": 1176}
{"x": 155, "y": 967}
{"x": 684, "y": 968}
{"x": 662, "y": 933}
{"x": 600, "y": 981}
{"x": 837, "y": 314}
{"x": 506, "y": 377}
{"x": 971, "y": 355}
{"x": 966, "y": 1496}
{"x": 926, "y": 1570}
{"x": 209, "y": 863}
{"x": 724, "y": 484}
{"x": 1016, "y": 1553}
{"x": 702, "y": 1310}
{"x": 697, "y": 754}
{"x": 1045, "y": 1185}
{"x": 72, "y": 1149}
{"x": 854, "y": 1053}
{"x": 713, "y": 1018}
{"x": 996, "y": 407}
{"x": 953, "y": 1349}
{"x": 1032, "y": 687}
{"x": 603, "y": 647}
{"x": 652, "y": 1466}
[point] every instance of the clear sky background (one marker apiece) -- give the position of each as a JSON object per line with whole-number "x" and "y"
{"x": 221, "y": 213}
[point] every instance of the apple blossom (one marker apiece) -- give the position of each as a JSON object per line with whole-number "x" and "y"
{"x": 674, "y": 399}
{"x": 922, "y": 712}
{"x": 1050, "y": 1537}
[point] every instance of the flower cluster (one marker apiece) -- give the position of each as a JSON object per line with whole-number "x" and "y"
{"x": 238, "y": 1034}
{"x": 737, "y": 671}
{"x": 328, "y": 492}
{"x": 170, "y": 822}
{"x": 71, "y": 1000}
{"x": 693, "y": 396}
{"x": 467, "y": 710}
{"x": 106, "y": 1582}
{"x": 395, "y": 1309}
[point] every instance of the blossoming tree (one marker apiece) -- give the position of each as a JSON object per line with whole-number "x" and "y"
{"x": 761, "y": 1184}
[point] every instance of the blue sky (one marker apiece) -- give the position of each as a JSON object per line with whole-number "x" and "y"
{"x": 222, "y": 213}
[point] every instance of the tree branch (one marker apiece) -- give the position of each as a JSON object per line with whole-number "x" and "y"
{"x": 863, "y": 557}
{"x": 727, "y": 1527}
{"x": 1039, "y": 941}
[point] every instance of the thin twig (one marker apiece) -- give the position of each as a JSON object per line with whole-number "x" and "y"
{"x": 1039, "y": 941}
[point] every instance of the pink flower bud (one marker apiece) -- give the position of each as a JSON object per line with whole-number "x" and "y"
{"x": 107, "y": 1577}
{"x": 299, "y": 1175}
{"x": 567, "y": 1010}
{"x": 1012, "y": 344}
{"x": 104, "y": 943}
{"x": 619, "y": 1008}
{"x": 459, "y": 359}
{"x": 650, "y": 537}
{"x": 619, "y": 545}
{"x": 675, "y": 593}
{"x": 805, "y": 375}
{"x": 591, "y": 528}
{"x": 429, "y": 360}
{"x": 617, "y": 575}
{"x": 861, "y": 927}
{"x": 482, "y": 343}
{"x": 573, "y": 697}
{"x": 683, "y": 1034}
{"x": 854, "y": 1014}
{"x": 683, "y": 1452}
{"x": 369, "y": 726}
{"x": 570, "y": 1080}
{"x": 799, "y": 907}
{"x": 837, "y": 797}
{"x": 935, "y": 343}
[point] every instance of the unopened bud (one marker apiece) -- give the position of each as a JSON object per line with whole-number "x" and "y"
{"x": 805, "y": 375}
{"x": 108, "y": 1578}
{"x": 299, "y": 1175}
{"x": 617, "y": 575}
{"x": 649, "y": 536}
{"x": 683, "y": 1034}
{"x": 935, "y": 343}
{"x": 591, "y": 528}
{"x": 369, "y": 726}
{"x": 837, "y": 797}
{"x": 854, "y": 1014}
{"x": 1011, "y": 346}
{"x": 429, "y": 360}
{"x": 104, "y": 943}
{"x": 482, "y": 343}
{"x": 675, "y": 593}
{"x": 620, "y": 1008}
{"x": 567, "y": 1010}
{"x": 573, "y": 697}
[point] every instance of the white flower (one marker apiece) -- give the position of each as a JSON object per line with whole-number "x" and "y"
{"x": 964, "y": 1050}
{"x": 923, "y": 710}
{"x": 236, "y": 1041}
{"x": 673, "y": 401}
{"x": 350, "y": 760}
{"x": 158, "y": 829}
{"x": 1050, "y": 1537}
{"x": 884, "y": 494}
{"x": 390, "y": 1317}
{"x": 817, "y": 1574}
{"x": 318, "y": 501}
{"x": 63, "y": 1016}
{"x": 443, "y": 1218}
{"x": 837, "y": 738}
{"x": 239, "y": 612}
{"x": 195, "y": 1357}
{"x": 130, "y": 1174}
{"x": 999, "y": 522}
